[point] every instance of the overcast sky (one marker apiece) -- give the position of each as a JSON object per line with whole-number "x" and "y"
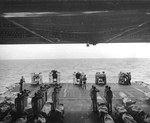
{"x": 62, "y": 51}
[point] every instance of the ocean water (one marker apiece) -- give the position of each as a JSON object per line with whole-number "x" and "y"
{"x": 12, "y": 70}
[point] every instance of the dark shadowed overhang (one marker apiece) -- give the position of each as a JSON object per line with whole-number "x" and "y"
{"x": 74, "y": 21}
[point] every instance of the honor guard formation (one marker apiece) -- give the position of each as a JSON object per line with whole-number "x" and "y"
{"x": 39, "y": 102}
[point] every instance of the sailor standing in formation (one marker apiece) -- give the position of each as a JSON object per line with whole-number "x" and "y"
{"x": 55, "y": 97}
{"x": 84, "y": 79}
{"x": 34, "y": 104}
{"x": 109, "y": 96}
{"x": 93, "y": 94}
{"x": 105, "y": 90}
{"x": 104, "y": 76}
{"x": 22, "y": 80}
{"x": 18, "y": 104}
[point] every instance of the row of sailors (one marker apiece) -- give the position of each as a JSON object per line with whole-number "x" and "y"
{"x": 108, "y": 95}
{"x": 93, "y": 93}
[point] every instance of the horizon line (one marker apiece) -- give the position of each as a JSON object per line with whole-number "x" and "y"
{"x": 77, "y": 58}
